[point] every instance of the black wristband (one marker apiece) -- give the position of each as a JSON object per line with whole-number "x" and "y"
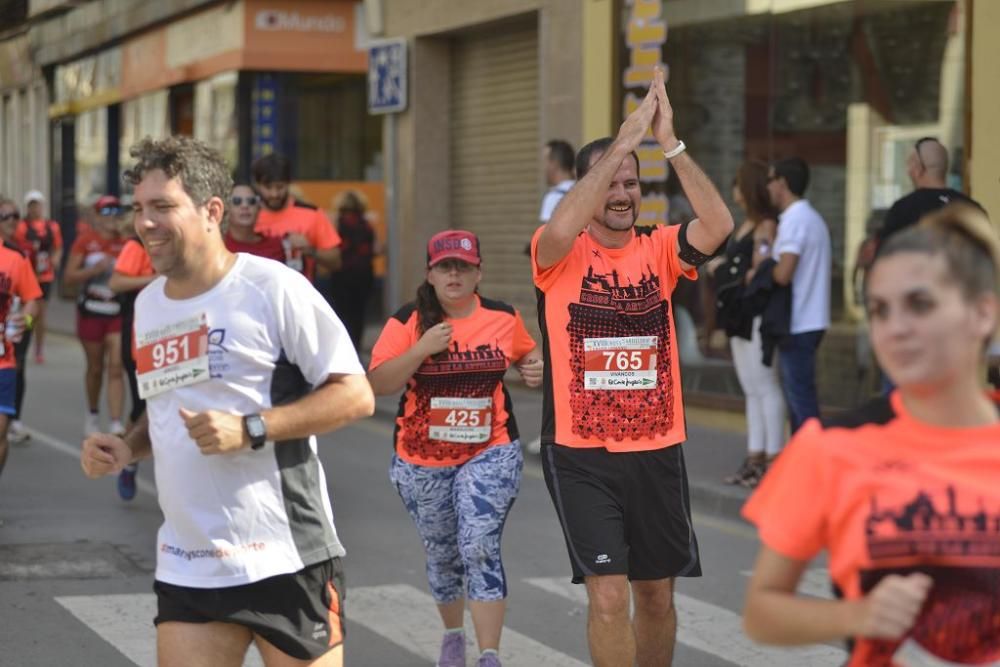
{"x": 688, "y": 253}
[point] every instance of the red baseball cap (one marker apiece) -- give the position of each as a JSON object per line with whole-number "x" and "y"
{"x": 453, "y": 244}
{"x": 106, "y": 201}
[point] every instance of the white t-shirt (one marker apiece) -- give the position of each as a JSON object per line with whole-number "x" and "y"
{"x": 553, "y": 197}
{"x": 231, "y": 519}
{"x": 802, "y": 232}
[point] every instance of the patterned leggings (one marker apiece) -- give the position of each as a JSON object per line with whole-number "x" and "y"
{"x": 460, "y": 513}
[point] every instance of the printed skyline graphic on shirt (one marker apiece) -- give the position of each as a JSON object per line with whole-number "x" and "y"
{"x": 611, "y": 307}
{"x": 960, "y": 620}
{"x": 459, "y": 371}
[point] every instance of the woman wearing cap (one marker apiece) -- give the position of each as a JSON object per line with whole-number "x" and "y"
{"x": 98, "y": 319}
{"x": 903, "y": 493}
{"x": 457, "y": 462}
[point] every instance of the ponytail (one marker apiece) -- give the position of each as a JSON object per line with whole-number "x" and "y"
{"x": 429, "y": 310}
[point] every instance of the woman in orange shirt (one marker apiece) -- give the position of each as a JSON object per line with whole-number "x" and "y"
{"x": 457, "y": 463}
{"x": 903, "y": 493}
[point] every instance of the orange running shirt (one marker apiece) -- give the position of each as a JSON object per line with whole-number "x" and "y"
{"x": 456, "y": 405}
{"x": 885, "y": 494}
{"x": 17, "y": 278}
{"x": 40, "y": 239}
{"x": 133, "y": 261}
{"x": 613, "y": 376}
{"x": 299, "y": 218}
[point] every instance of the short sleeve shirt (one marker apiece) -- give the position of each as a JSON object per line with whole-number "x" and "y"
{"x": 802, "y": 232}
{"x": 17, "y": 278}
{"x": 241, "y": 517}
{"x": 304, "y": 219}
{"x": 40, "y": 239}
{"x": 456, "y": 405}
{"x": 133, "y": 261}
{"x": 884, "y": 493}
{"x": 610, "y": 343}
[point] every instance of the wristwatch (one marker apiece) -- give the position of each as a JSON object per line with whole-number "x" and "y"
{"x": 256, "y": 429}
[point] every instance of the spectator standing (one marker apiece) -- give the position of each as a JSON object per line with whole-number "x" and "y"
{"x": 351, "y": 285}
{"x": 802, "y": 249}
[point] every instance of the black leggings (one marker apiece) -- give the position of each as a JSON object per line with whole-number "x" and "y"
{"x": 20, "y": 358}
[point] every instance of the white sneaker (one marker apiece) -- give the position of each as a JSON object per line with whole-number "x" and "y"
{"x": 16, "y": 434}
{"x": 116, "y": 428}
{"x": 91, "y": 424}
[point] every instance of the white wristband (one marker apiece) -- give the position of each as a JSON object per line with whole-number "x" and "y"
{"x": 677, "y": 150}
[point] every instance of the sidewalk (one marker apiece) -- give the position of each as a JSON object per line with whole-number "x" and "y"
{"x": 715, "y": 447}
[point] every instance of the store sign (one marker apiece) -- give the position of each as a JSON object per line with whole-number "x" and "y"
{"x": 645, "y": 37}
{"x": 387, "y": 76}
{"x": 275, "y": 19}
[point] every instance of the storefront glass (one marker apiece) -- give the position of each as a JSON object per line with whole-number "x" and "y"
{"x": 848, "y": 86}
{"x": 91, "y": 155}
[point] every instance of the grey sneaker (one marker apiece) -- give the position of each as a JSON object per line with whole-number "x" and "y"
{"x": 452, "y": 650}
{"x": 489, "y": 660}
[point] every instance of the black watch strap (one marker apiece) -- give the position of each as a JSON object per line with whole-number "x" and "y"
{"x": 256, "y": 429}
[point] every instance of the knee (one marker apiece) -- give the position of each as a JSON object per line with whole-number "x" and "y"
{"x": 655, "y": 599}
{"x": 609, "y": 599}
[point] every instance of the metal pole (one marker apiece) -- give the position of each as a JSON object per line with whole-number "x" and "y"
{"x": 393, "y": 282}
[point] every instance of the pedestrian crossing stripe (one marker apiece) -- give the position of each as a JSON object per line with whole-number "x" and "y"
{"x": 714, "y": 630}
{"x": 404, "y": 616}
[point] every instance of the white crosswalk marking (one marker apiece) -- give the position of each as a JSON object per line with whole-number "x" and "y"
{"x": 400, "y": 613}
{"x": 714, "y": 630}
{"x": 404, "y": 615}
{"x": 126, "y": 622}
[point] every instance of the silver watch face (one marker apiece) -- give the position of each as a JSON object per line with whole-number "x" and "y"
{"x": 255, "y": 427}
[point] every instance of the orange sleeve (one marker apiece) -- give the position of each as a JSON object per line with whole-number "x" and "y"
{"x": 324, "y": 236}
{"x": 395, "y": 339}
{"x": 789, "y": 507}
{"x": 546, "y": 278}
{"x": 57, "y": 239}
{"x": 131, "y": 260}
{"x": 21, "y": 232}
{"x": 670, "y": 237}
{"x": 27, "y": 283}
{"x": 523, "y": 342}
{"x": 79, "y": 246}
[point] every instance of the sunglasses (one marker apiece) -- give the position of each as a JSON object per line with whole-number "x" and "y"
{"x": 252, "y": 200}
{"x": 916, "y": 147}
{"x": 4, "y": 217}
{"x": 110, "y": 210}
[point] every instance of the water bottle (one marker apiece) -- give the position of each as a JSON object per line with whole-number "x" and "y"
{"x": 10, "y": 331}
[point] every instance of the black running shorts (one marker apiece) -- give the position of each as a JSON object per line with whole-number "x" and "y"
{"x": 623, "y": 513}
{"x": 302, "y": 613}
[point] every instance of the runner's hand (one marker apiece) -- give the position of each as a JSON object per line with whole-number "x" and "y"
{"x": 531, "y": 371}
{"x": 436, "y": 339}
{"x": 216, "y": 432}
{"x": 104, "y": 454}
{"x": 635, "y": 127}
{"x": 890, "y": 610}
{"x": 663, "y": 118}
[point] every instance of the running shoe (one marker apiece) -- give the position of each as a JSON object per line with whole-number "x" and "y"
{"x": 16, "y": 434}
{"x": 117, "y": 428}
{"x": 126, "y": 481}
{"x": 91, "y": 424}
{"x": 489, "y": 660}
{"x": 452, "y": 650}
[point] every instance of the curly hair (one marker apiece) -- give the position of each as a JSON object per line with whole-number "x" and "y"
{"x": 201, "y": 169}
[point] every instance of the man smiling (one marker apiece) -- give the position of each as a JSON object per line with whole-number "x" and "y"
{"x": 247, "y": 551}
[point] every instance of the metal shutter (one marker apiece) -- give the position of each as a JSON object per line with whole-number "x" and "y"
{"x": 495, "y": 154}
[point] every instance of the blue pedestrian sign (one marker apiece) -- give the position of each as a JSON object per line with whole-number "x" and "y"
{"x": 387, "y": 76}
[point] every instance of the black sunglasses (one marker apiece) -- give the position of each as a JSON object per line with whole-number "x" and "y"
{"x": 252, "y": 200}
{"x": 916, "y": 147}
{"x": 4, "y": 217}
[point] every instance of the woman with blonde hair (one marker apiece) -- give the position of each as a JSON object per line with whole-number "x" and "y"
{"x": 902, "y": 493}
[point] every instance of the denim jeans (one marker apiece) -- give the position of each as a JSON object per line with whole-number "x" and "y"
{"x": 798, "y": 375}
